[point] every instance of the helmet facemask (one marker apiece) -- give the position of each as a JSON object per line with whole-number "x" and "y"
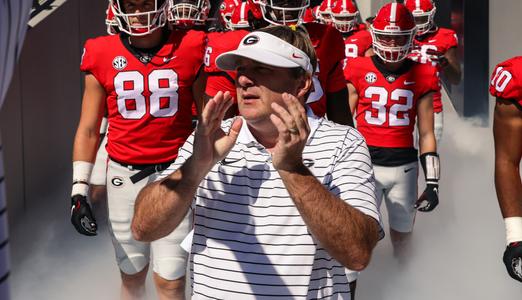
{"x": 283, "y": 12}
{"x": 424, "y": 20}
{"x": 392, "y": 44}
{"x": 141, "y": 23}
{"x": 188, "y": 12}
{"x": 344, "y": 21}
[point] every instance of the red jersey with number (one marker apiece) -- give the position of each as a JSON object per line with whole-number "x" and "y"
{"x": 148, "y": 104}
{"x": 218, "y": 43}
{"x": 387, "y": 105}
{"x": 506, "y": 80}
{"x": 328, "y": 78}
{"x": 329, "y": 47}
{"x": 440, "y": 40}
{"x": 357, "y": 43}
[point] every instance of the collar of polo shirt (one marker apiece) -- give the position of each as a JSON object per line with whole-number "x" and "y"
{"x": 246, "y": 137}
{"x": 267, "y": 49}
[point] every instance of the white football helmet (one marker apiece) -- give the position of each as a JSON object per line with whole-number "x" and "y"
{"x": 139, "y": 23}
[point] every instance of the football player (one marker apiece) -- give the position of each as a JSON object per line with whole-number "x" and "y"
{"x": 189, "y": 14}
{"x": 506, "y": 86}
{"x": 330, "y": 94}
{"x": 357, "y": 40}
{"x": 145, "y": 79}
{"x": 387, "y": 93}
{"x": 324, "y": 12}
{"x": 239, "y": 19}
{"x": 225, "y": 12}
{"x": 437, "y": 46}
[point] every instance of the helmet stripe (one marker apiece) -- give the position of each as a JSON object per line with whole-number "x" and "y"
{"x": 393, "y": 14}
{"x": 417, "y": 4}
{"x": 243, "y": 10}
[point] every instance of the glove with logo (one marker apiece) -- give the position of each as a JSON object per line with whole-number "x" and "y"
{"x": 513, "y": 260}
{"x": 430, "y": 197}
{"x": 81, "y": 213}
{"x": 437, "y": 57}
{"x": 82, "y": 217}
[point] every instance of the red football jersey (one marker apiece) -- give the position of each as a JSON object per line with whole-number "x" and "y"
{"x": 357, "y": 43}
{"x": 329, "y": 48}
{"x": 148, "y": 104}
{"x": 387, "y": 105}
{"x": 218, "y": 43}
{"x": 440, "y": 40}
{"x": 329, "y": 78}
{"x": 506, "y": 80}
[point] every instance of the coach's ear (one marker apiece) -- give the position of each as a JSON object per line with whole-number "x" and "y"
{"x": 305, "y": 87}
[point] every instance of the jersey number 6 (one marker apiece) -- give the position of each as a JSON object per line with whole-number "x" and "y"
{"x": 163, "y": 87}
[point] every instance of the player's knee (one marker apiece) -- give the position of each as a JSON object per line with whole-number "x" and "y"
{"x": 170, "y": 287}
{"x": 133, "y": 264}
{"x": 171, "y": 268}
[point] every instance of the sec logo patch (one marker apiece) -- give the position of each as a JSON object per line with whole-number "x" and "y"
{"x": 370, "y": 77}
{"x": 119, "y": 63}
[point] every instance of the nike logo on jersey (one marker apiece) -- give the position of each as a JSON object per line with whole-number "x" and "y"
{"x": 432, "y": 41}
{"x": 308, "y": 162}
{"x": 226, "y": 161}
{"x": 408, "y": 170}
{"x": 296, "y": 56}
{"x": 409, "y": 82}
{"x": 167, "y": 59}
{"x": 353, "y": 40}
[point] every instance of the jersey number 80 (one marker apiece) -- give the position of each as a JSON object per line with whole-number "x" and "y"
{"x": 163, "y": 87}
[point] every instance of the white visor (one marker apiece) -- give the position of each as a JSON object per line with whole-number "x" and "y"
{"x": 266, "y": 49}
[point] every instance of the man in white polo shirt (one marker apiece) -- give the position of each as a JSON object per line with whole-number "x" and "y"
{"x": 285, "y": 201}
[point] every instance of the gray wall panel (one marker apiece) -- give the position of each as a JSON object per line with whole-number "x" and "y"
{"x": 43, "y": 104}
{"x": 11, "y": 131}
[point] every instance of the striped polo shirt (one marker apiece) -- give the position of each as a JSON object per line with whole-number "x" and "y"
{"x": 250, "y": 241}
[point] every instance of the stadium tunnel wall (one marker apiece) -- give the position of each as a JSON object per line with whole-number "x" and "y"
{"x": 42, "y": 107}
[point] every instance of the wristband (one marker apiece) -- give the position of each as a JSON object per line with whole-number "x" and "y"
{"x": 81, "y": 174}
{"x": 513, "y": 229}
{"x": 431, "y": 166}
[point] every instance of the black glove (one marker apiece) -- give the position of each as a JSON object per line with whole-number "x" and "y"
{"x": 430, "y": 196}
{"x": 513, "y": 260}
{"x": 82, "y": 217}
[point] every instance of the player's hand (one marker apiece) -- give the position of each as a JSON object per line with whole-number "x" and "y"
{"x": 513, "y": 260}
{"x": 437, "y": 57}
{"x": 429, "y": 198}
{"x": 211, "y": 143}
{"x": 292, "y": 124}
{"x": 82, "y": 217}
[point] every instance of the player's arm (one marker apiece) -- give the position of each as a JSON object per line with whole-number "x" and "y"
{"x": 429, "y": 158}
{"x": 198, "y": 90}
{"x": 451, "y": 68}
{"x": 427, "y": 142}
{"x": 507, "y": 130}
{"x": 353, "y": 97}
{"x": 337, "y": 108}
{"x": 84, "y": 152}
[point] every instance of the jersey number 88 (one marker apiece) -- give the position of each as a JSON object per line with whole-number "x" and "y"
{"x": 163, "y": 87}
